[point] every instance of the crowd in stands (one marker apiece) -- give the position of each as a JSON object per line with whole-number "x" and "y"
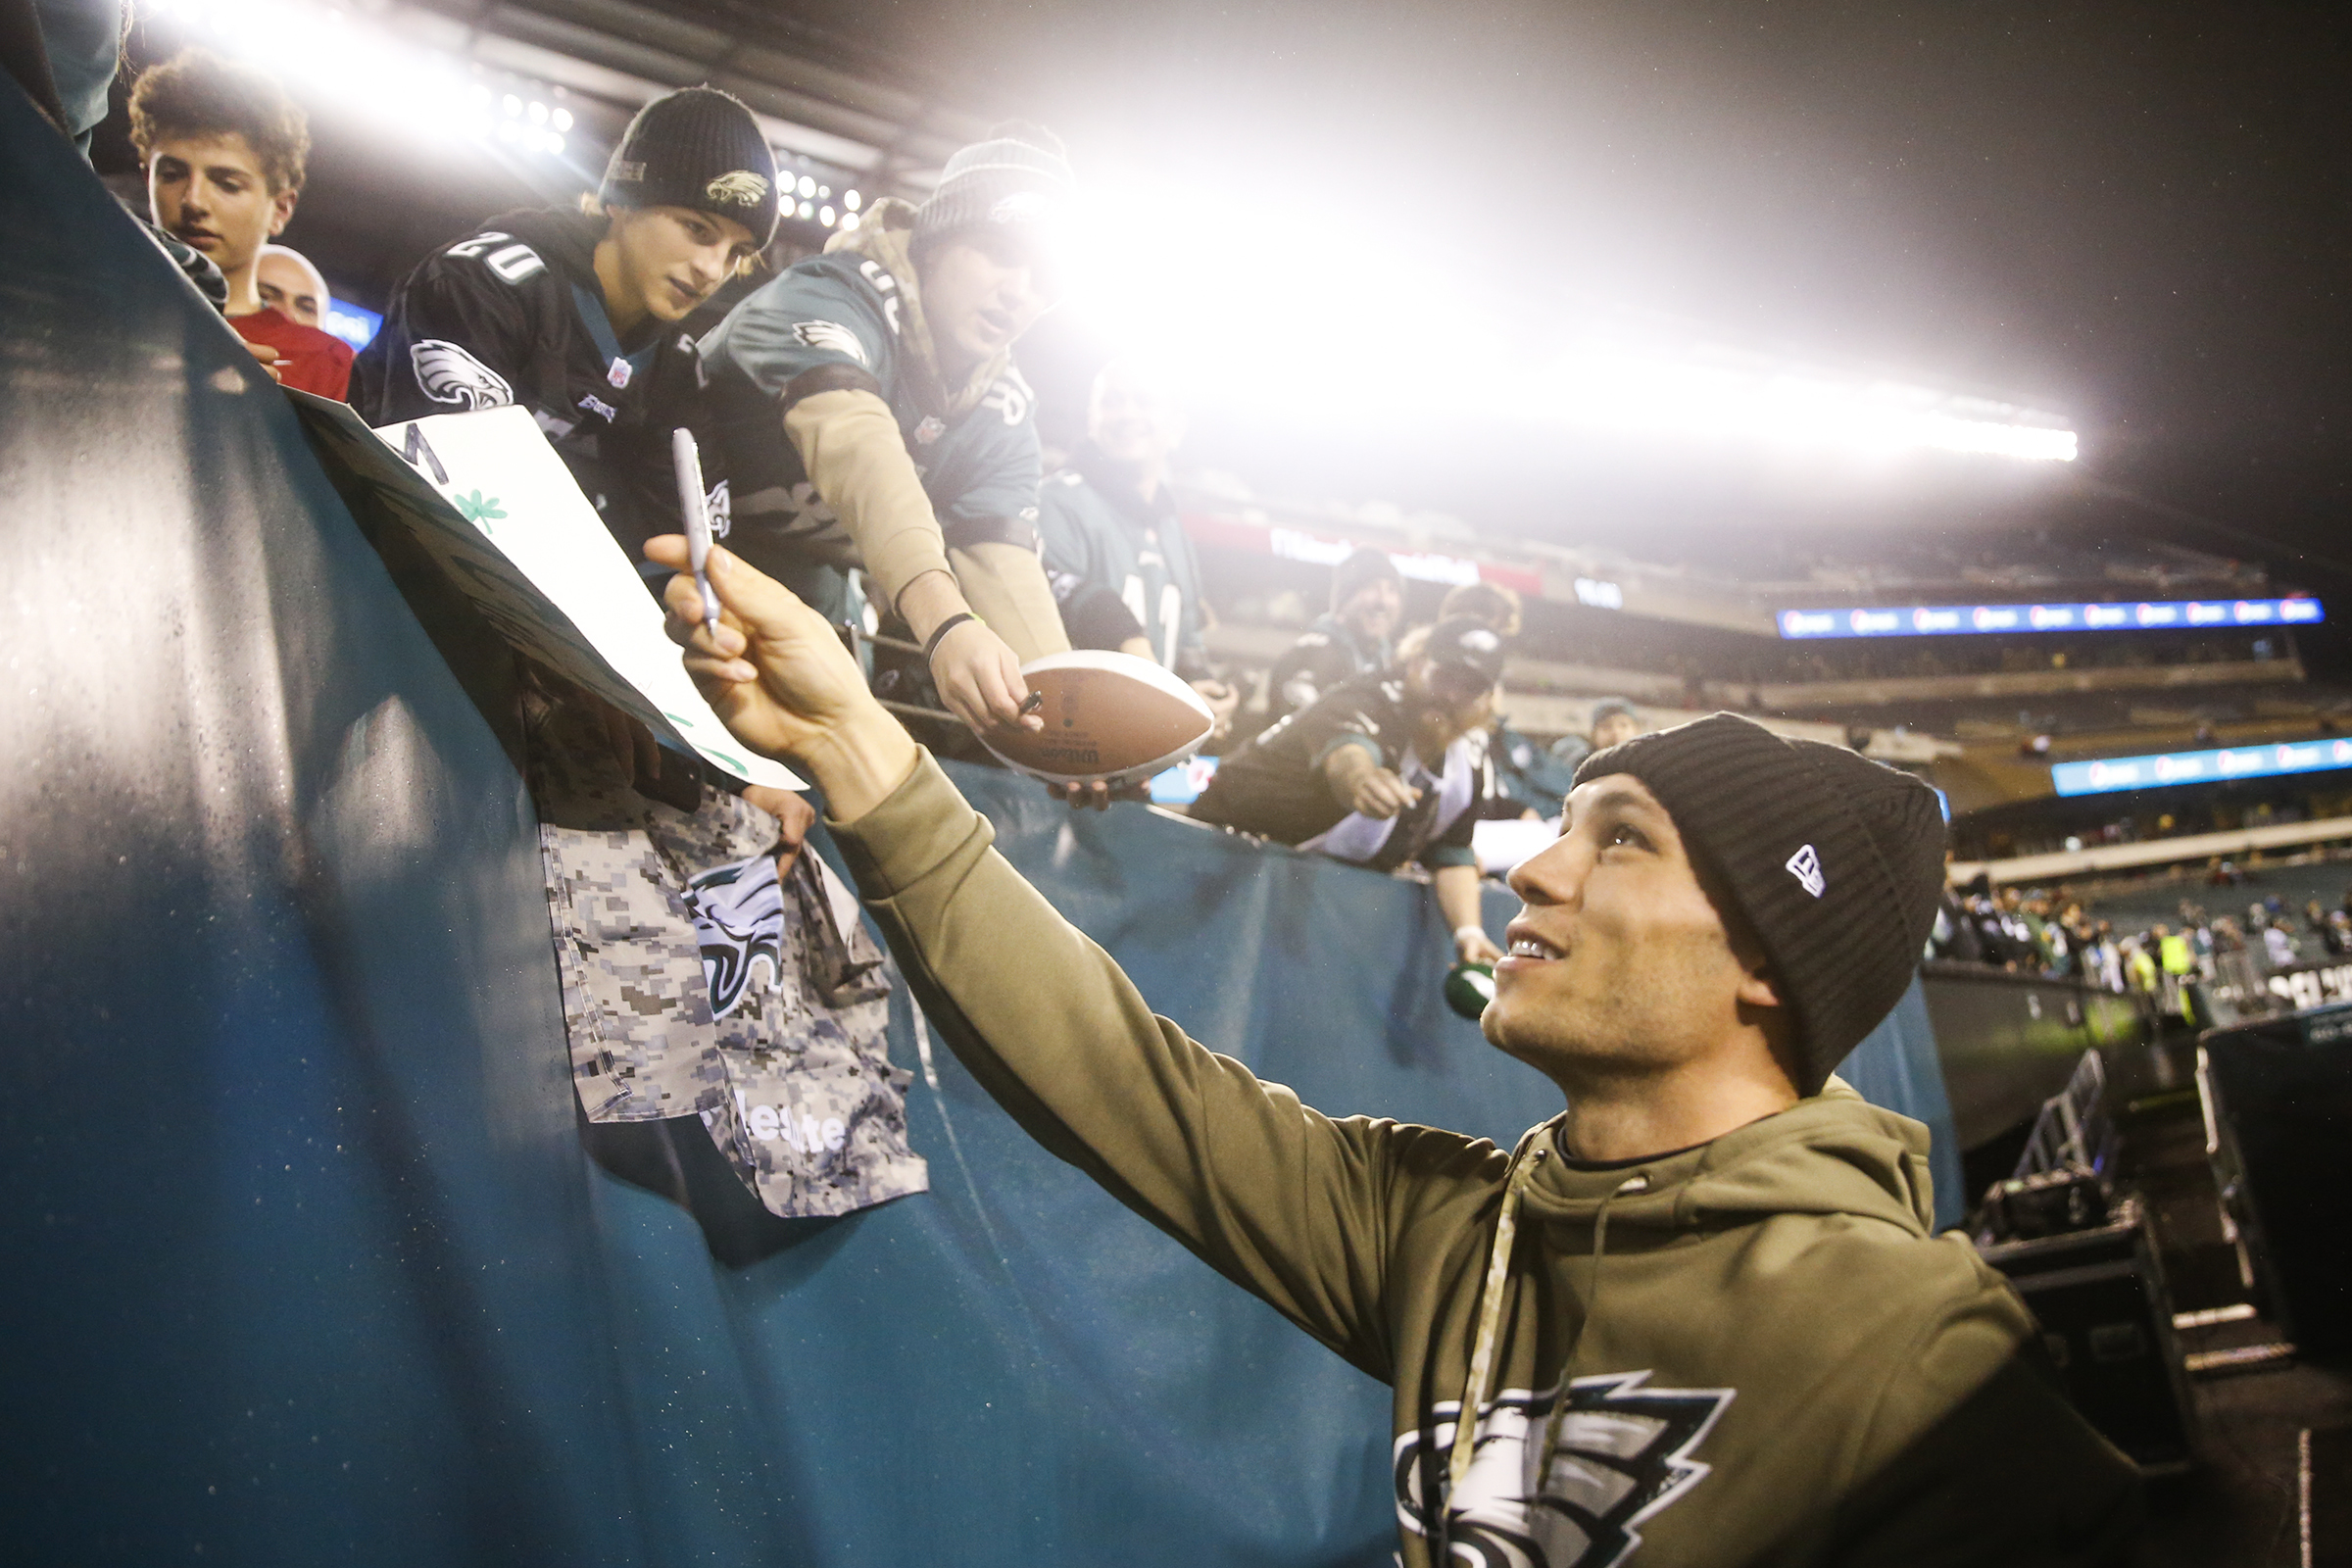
{"x": 1732, "y": 666}
{"x": 866, "y": 439}
{"x": 2035, "y": 931}
{"x": 871, "y": 442}
{"x": 570, "y": 313}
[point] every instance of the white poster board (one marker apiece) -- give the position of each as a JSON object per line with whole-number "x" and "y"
{"x": 487, "y": 498}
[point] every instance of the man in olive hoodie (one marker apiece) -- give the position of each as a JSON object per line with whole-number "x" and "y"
{"x": 1700, "y": 1315}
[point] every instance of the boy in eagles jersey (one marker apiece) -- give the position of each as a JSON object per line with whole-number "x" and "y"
{"x": 574, "y": 315}
{"x": 1698, "y": 1318}
{"x": 872, "y": 417}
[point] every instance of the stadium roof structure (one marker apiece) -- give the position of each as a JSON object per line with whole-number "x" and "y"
{"x": 823, "y": 93}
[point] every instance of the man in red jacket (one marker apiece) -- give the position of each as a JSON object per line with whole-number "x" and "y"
{"x": 224, "y": 147}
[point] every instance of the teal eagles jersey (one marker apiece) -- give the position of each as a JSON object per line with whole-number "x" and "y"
{"x": 840, "y": 313}
{"x": 1120, "y": 567}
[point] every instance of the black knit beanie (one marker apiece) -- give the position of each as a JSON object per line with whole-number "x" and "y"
{"x": 1361, "y": 571}
{"x": 696, "y": 148}
{"x": 1467, "y": 644}
{"x": 1018, "y": 177}
{"x": 1836, "y": 860}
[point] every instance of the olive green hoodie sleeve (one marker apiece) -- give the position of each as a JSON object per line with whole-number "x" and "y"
{"x": 1287, "y": 1202}
{"x": 1975, "y": 1457}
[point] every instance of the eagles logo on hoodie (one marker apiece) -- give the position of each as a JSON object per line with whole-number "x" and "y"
{"x": 1624, "y": 1457}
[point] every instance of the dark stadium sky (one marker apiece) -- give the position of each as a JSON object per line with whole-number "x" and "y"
{"x": 2138, "y": 212}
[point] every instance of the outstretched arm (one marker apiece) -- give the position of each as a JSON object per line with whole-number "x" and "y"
{"x": 1295, "y": 1207}
{"x": 851, "y": 445}
{"x": 1456, "y": 888}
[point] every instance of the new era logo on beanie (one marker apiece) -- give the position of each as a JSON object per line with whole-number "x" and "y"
{"x": 1836, "y": 860}
{"x": 701, "y": 149}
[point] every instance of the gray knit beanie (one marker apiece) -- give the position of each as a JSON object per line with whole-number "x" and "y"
{"x": 1836, "y": 860}
{"x": 1019, "y": 176}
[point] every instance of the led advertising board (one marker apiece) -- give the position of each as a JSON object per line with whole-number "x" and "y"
{"x": 1966, "y": 620}
{"x": 2199, "y": 767}
{"x": 355, "y": 324}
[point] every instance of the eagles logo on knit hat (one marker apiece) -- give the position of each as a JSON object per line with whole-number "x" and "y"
{"x": 701, "y": 149}
{"x": 1468, "y": 644}
{"x": 1836, "y": 863}
{"x": 738, "y": 187}
{"x": 1018, "y": 176}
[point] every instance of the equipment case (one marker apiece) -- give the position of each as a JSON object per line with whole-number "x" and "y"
{"x": 2106, "y": 1317}
{"x": 2277, "y": 1099}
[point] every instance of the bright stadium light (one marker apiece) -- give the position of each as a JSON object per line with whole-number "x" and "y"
{"x": 1326, "y": 312}
{"x": 433, "y": 98}
{"x": 1720, "y": 396}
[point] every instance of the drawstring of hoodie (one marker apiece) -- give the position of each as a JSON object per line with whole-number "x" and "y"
{"x": 1490, "y": 1324}
{"x": 1637, "y": 1183}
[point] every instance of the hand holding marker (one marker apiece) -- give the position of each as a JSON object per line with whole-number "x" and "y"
{"x": 688, "y": 462}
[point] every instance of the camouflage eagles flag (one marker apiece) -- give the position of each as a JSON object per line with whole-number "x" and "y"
{"x": 696, "y": 982}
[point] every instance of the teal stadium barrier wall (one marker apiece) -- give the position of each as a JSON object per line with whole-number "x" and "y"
{"x": 305, "y": 1263}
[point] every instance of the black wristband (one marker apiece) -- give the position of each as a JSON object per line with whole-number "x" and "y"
{"x": 931, "y": 644}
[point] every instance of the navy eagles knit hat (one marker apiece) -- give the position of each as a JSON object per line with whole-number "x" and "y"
{"x": 1361, "y": 571}
{"x": 696, "y": 148}
{"x": 1017, "y": 176}
{"x": 1836, "y": 860}
{"x": 1466, "y": 643}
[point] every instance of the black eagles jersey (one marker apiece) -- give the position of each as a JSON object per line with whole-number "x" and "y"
{"x": 514, "y": 315}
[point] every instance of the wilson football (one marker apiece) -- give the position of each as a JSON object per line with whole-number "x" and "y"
{"x": 1111, "y": 717}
